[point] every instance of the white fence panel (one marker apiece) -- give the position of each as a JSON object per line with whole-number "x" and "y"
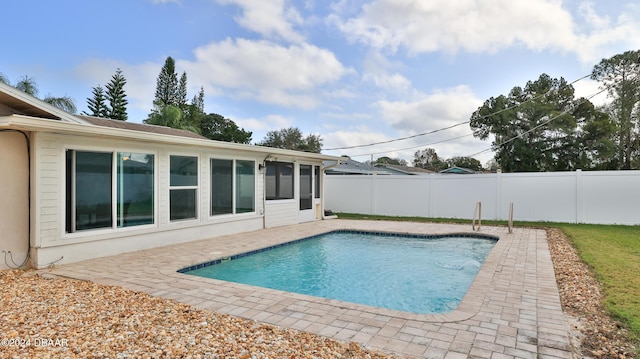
{"x": 400, "y": 196}
{"x": 610, "y": 197}
{"x": 604, "y": 197}
{"x": 455, "y": 196}
{"x": 354, "y": 193}
{"x": 544, "y": 196}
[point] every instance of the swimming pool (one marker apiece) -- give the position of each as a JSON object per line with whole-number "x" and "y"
{"x": 412, "y": 273}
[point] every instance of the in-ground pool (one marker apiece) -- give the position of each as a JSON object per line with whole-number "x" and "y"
{"x": 412, "y": 273}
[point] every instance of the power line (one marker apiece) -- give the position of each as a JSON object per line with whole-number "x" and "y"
{"x": 452, "y": 126}
{"x": 399, "y": 139}
{"x": 413, "y": 147}
{"x": 540, "y": 125}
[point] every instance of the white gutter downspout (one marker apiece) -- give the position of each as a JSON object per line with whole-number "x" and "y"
{"x": 323, "y": 174}
{"x": 264, "y": 189}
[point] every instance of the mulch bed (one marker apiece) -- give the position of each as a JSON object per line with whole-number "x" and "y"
{"x": 64, "y": 318}
{"x": 595, "y": 333}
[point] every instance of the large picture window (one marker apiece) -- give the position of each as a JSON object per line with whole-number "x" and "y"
{"x": 229, "y": 177}
{"x": 279, "y": 180}
{"x": 96, "y": 197}
{"x": 183, "y": 187}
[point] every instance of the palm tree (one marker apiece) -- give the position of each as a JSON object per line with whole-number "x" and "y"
{"x": 28, "y": 85}
{"x": 170, "y": 116}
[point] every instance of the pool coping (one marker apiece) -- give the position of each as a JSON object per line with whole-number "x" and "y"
{"x": 511, "y": 308}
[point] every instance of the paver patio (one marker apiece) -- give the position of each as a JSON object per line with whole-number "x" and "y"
{"x": 512, "y": 309}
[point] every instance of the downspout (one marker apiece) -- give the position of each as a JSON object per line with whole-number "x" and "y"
{"x": 323, "y": 174}
{"x": 264, "y": 189}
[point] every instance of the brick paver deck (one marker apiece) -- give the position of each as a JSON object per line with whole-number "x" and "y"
{"x": 512, "y": 309}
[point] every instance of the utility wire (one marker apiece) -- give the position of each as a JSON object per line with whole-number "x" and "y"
{"x": 544, "y": 123}
{"x": 449, "y": 127}
{"x": 413, "y": 147}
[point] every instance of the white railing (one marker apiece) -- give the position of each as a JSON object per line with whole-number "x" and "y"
{"x": 477, "y": 213}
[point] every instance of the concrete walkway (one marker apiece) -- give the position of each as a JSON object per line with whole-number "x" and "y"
{"x": 512, "y": 309}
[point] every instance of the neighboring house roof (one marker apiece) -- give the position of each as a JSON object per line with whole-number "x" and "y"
{"x": 348, "y": 166}
{"x": 405, "y": 169}
{"x": 458, "y": 170}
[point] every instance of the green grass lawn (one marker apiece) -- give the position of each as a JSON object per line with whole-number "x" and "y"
{"x": 611, "y": 251}
{"x": 613, "y": 254}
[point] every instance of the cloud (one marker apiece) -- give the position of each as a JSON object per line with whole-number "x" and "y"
{"x": 605, "y": 36}
{"x": 272, "y": 19}
{"x": 265, "y": 71}
{"x": 482, "y": 26}
{"x": 433, "y": 111}
{"x": 352, "y": 136}
{"x": 587, "y": 88}
{"x": 265, "y": 124}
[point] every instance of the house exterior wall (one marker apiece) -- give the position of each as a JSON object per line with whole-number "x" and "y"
{"x": 53, "y": 245}
{"x": 285, "y": 212}
{"x": 598, "y": 197}
{"x": 14, "y": 196}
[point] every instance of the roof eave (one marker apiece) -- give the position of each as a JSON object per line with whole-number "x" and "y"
{"x": 28, "y": 123}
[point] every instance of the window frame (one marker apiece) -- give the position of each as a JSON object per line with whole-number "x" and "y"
{"x": 69, "y": 191}
{"x": 234, "y": 186}
{"x": 277, "y": 180}
{"x": 305, "y": 200}
{"x": 317, "y": 174}
{"x": 176, "y": 188}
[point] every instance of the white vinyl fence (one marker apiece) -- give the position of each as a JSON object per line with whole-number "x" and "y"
{"x": 599, "y": 197}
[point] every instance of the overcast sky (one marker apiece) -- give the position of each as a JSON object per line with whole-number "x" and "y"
{"x": 354, "y": 72}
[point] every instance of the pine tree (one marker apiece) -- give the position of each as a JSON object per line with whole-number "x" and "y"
{"x": 97, "y": 104}
{"x": 167, "y": 84}
{"x": 181, "y": 93}
{"x": 198, "y": 100}
{"x": 117, "y": 97}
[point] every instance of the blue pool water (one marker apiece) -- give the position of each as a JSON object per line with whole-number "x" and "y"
{"x": 418, "y": 274}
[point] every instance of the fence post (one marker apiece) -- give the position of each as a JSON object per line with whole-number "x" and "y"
{"x": 579, "y": 196}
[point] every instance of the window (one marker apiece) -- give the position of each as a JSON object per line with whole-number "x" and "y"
{"x": 316, "y": 172}
{"x": 225, "y": 182}
{"x": 92, "y": 189}
{"x": 279, "y": 180}
{"x": 245, "y": 186}
{"x": 221, "y": 186}
{"x": 183, "y": 187}
{"x": 135, "y": 189}
{"x": 306, "y": 181}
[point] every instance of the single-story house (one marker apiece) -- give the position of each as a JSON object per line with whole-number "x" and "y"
{"x": 349, "y": 167}
{"x": 405, "y": 170}
{"x": 77, "y": 187}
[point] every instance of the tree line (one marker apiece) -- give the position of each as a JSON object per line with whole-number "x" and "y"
{"x": 541, "y": 126}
